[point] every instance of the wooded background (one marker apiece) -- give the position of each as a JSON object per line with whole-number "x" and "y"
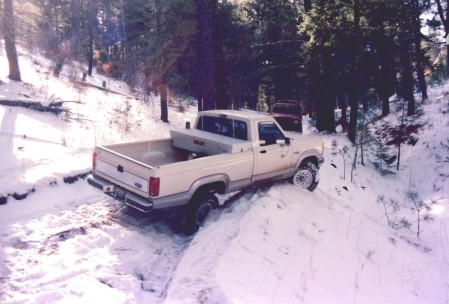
{"x": 324, "y": 53}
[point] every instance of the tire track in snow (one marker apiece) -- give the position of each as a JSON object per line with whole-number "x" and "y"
{"x": 193, "y": 280}
{"x": 95, "y": 240}
{"x": 98, "y": 243}
{"x": 162, "y": 249}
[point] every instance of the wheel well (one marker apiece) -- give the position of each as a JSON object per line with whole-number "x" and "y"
{"x": 215, "y": 187}
{"x": 312, "y": 159}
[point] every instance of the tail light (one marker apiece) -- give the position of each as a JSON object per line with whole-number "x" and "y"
{"x": 154, "y": 186}
{"x": 94, "y": 161}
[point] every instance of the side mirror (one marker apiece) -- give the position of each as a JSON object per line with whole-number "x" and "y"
{"x": 188, "y": 125}
{"x": 285, "y": 141}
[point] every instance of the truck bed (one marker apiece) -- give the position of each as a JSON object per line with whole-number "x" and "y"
{"x": 157, "y": 153}
{"x": 130, "y": 165}
{"x": 152, "y": 153}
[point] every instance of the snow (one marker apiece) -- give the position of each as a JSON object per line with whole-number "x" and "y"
{"x": 69, "y": 243}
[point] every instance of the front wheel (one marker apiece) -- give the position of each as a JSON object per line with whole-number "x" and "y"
{"x": 306, "y": 176}
{"x": 198, "y": 211}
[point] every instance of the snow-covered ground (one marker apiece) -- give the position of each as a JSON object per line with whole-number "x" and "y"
{"x": 69, "y": 243}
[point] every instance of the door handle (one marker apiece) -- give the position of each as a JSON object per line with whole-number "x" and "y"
{"x": 263, "y": 151}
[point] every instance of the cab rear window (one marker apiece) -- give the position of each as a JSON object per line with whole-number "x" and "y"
{"x": 223, "y": 126}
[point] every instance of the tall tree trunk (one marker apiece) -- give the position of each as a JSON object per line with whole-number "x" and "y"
{"x": 420, "y": 68}
{"x": 312, "y": 87}
{"x": 307, "y": 5}
{"x": 222, "y": 96}
{"x": 163, "y": 92}
{"x": 90, "y": 25}
{"x": 406, "y": 73}
{"x": 312, "y": 74}
{"x": 162, "y": 88}
{"x": 386, "y": 78}
{"x": 220, "y": 80}
{"x": 444, "y": 14}
{"x": 249, "y": 93}
{"x": 125, "y": 39}
{"x": 206, "y": 90}
{"x": 354, "y": 87}
{"x": 75, "y": 47}
{"x": 325, "y": 120}
{"x": 10, "y": 41}
{"x": 75, "y": 22}
{"x": 419, "y": 52}
{"x": 447, "y": 56}
{"x": 59, "y": 64}
{"x": 446, "y": 29}
{"x": 385, "y": 84}
{"x": 384, "y": 96}
{"x": 353, "y": 115}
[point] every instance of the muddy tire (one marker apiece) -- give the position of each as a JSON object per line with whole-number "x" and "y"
{"x": 198, "y": 210}
{"x": 306, "y": 176}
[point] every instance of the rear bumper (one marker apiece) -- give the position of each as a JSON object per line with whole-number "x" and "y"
{"x": 100, "y": 183}
{"x": 135, "y": 201}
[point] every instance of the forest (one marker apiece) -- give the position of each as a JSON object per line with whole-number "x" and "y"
{"x": 350, "y": 54}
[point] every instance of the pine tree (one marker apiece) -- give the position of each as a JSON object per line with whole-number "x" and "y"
{"x": 277, "y": 45}
{"x": 233, "y": 58}
{"x": 324, "y": 25}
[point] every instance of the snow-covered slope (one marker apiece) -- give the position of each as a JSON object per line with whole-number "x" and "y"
{"x": 69, "y": 243}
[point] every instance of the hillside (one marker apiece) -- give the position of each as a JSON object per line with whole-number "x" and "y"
{"x": 63, "y": 241}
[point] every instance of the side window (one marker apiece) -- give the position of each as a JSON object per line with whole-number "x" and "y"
{"x": 223, "y": 126}
{"x": 269, "y": 133}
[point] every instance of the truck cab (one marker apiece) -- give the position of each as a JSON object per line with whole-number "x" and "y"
{"x": 275, "y": 151}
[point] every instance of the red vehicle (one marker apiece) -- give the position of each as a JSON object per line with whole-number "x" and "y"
{"x": 288, "y": 114}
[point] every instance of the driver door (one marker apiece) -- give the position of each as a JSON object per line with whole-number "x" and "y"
{"x": 273, "y": 156}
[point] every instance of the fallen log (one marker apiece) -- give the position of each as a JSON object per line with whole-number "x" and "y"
{"x": 53, "y": 107}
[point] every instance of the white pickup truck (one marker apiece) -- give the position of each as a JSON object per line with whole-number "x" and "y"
{"x": 225, "y": 151}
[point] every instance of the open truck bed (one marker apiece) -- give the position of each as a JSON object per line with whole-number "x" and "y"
{"x": 152, "y": 153}
{"x": 187, "y": 156}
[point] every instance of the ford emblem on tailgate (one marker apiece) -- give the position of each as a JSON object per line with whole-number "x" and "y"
{"x": 138, "y": 185}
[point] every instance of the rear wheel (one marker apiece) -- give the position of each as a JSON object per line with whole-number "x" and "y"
{"x": 306, "y": 176}
{"x": 198, "y": 210}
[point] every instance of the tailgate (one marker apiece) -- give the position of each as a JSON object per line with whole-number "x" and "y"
{"x": 122, "y": 170}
